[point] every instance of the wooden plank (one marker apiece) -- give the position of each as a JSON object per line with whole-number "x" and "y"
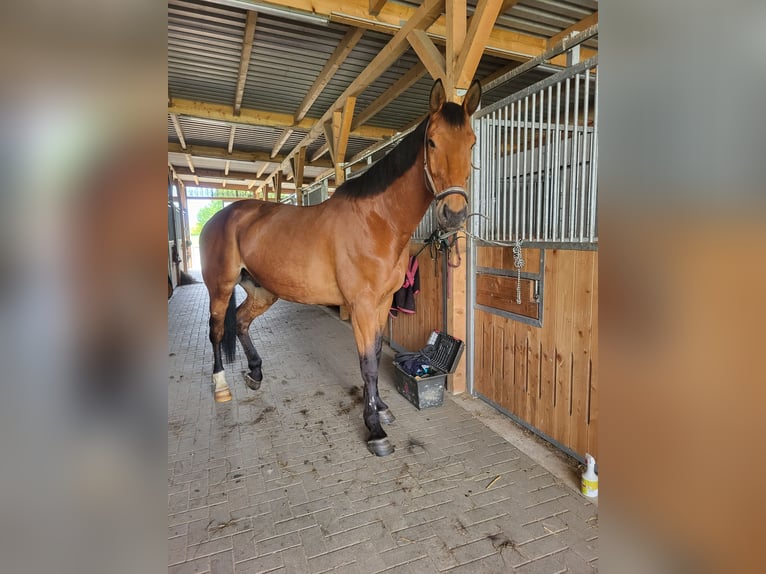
{"x": 533, "y": 373}
{"x": 581, "y": 349}
{"x": 548, "y": 370}
{"x": 563, "y": 325}
{"x": 593, "y": 397}
{"x": 499, "y": 292}
{"x": 179, "y": 132}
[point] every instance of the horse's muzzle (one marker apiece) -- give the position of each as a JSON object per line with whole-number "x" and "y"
{"x": 449, "y": 220}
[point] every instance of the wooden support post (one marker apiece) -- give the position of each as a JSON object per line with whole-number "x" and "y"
{"x": 456, "y": 317}
{"x": 278, "y": 186}
{"x": 298, "y": 162}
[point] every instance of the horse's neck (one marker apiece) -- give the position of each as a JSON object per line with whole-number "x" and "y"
{"x": 407, "y": 200}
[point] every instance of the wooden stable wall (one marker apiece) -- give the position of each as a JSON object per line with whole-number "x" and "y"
{"x": 411, "y": 332}
{"x": 546, "y": 376}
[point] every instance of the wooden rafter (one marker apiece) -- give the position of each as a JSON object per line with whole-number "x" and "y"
{"x": 262, "y": 118}
{"x": 220, "y": 153}
{"x": 323, "y": 149}
{"x": 393, "y": 92}
{"x": 177, "y": 127}
{"x": 339, "y": 55}
{"x": 429, "y": 54}
{"x": 286, "y": 133}
{"x": 244, "y": 60}
{"x": 231, "y": 138}
{"x": 479, "y": 28}
{"x": 376, "y": 6}
{"x": 423, "y": 17}
{"x": 298, "y": 162}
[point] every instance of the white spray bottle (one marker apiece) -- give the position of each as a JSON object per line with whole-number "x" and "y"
{"x": 589, "y": 483}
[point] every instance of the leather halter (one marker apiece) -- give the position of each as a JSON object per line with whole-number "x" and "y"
{"x": 452, "y": 190}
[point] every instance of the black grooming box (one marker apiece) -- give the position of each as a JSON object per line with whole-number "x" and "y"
{"x": 428, "y": 390}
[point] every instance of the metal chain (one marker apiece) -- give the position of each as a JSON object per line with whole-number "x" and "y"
{"x": 518, "y": 263}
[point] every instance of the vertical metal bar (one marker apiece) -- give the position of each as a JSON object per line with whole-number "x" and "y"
{"x": 517, "y": 153}
{"x": 594, "y": 165}
{"x": 575, "y": 160}
{"x": 565, "y": 177}
{"x": 533, "y": 166}
{"x": 501, "y": 188}
{"x": 583, "y": 171}
{"x": 540, "y": 139}
{"x": 506, "y": 175}
{"x": 482, "y": 207}
{"x": 524, "y": 173}
{"x": 548, "y": 170}
{"x": 557, "y": 164}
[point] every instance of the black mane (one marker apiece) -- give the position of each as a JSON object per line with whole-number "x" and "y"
{"x": 387, "y": 169}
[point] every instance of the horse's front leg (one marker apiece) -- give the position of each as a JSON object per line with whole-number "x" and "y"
{"x": 369, "y": 341}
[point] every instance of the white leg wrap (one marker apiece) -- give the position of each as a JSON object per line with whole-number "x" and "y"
{"x": 219, "y": 380}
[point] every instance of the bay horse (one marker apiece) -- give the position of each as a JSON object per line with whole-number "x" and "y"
{"x": 350, "y": 250}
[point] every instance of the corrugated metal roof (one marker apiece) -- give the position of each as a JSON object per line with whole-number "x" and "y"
{"x": 205, "y": 41}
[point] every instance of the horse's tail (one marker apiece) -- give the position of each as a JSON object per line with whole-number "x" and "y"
{"x": 229, "y": 341}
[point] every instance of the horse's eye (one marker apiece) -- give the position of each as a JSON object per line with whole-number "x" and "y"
{"x": 431, "y": 143}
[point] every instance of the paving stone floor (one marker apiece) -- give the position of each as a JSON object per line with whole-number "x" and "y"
{"x": 280, "y": 479}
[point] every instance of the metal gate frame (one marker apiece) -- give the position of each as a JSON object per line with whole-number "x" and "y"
{"x": 544, "y": 195}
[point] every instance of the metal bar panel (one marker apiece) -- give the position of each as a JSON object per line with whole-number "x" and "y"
{"x": 594, "y": 166}
{"x": 540, "y": 139}
{"x": 557, "y": 166}
{"x": 549, "y": 81}
{"x": 575, "y": 160}
{"x": 520, "y": 232}
{"x": 565, "y": 175}
{"x": 506, "y": 174}
{"x": 517, "y": 152}
{"x": 583, "y": 171}
{"x": 548, "y": 170}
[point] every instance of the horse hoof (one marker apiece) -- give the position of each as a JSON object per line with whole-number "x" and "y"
{"x": 251, "y": 382}
{"x": 380, "y": 446}
{"x": 222, "y": 396}
{"x": 386, "y": 416}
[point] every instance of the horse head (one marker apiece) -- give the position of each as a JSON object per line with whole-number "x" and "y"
{"x": 447, "y": 147}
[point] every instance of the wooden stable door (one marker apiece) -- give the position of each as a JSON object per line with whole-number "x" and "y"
{"x": 537, "y": 360}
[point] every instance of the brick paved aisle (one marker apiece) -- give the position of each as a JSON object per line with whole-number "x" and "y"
{"x": 280, "y": 479}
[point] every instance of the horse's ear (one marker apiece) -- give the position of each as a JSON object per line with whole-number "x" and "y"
{"x": 472, "y": 98}
{"x": 437, "y": 98}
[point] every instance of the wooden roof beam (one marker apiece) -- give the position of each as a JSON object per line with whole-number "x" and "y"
{"x": 339, "y": 55}
{"x": 221, "y": 153}
{"x": 429, "y": 54}
{"x": 393, "y": 92}
{"x": 479, "y": 28}
{"x": 376, "y": 6}
{"x": 248, "y": 116}
{"x": 283, "y": 137}
{"x": 244, "y": 60}
{"x": 422, "y": 18}
{"x": 177, "y": 127}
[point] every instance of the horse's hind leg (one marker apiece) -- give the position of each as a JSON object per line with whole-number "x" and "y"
{"x": 221, "y": 299}
{"x": 257, "y": 302}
